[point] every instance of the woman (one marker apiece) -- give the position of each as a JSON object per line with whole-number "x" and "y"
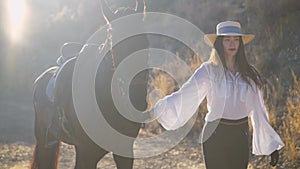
{"x": 233, "y": 89}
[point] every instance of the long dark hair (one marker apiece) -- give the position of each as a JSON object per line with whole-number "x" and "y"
{"x": 246, "y": 70}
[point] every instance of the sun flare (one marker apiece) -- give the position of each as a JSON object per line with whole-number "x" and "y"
{"x": 17, "y": 11}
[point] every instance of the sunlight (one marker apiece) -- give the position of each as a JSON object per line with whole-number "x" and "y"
{"x": 17, "y": 11}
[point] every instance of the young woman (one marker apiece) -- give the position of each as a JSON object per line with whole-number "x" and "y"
{"x": 233, "y": 89}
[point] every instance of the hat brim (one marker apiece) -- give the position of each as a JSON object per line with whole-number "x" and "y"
{"x": 211, "y": 38}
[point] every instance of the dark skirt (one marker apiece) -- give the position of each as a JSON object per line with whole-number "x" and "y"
{"x": 226, "y": 144}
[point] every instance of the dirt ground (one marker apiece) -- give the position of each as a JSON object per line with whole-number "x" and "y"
{"x": 17, "y": 156}
{"x": 17, "y": 142}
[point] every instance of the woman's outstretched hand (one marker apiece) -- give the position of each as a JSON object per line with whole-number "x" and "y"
{"x": 274, "y": 158}
{"x": 148, "y": 115}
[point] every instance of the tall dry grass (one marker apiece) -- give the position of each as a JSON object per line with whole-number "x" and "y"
{"x": 290, "y": 128}
{"x": 162, "y": 84}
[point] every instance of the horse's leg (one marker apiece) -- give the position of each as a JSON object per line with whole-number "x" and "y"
{"x": 123, "y": 162}
{"x": 88, "y": 155}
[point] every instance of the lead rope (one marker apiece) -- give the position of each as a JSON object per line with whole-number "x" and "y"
{"x": 109, "y": 38}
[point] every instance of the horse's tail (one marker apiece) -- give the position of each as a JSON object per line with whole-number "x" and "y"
{"x": 45, "y": 157}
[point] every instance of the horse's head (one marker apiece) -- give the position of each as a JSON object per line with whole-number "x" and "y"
{"x": 120, "y": 49}
{"x": 121, "y": 28}
{"x": 110, "y": 15}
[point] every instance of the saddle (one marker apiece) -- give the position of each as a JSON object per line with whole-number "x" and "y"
{"x": 59, "y": 89}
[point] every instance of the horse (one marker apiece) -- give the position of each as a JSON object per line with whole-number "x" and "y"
{"x": 61, "y": 114}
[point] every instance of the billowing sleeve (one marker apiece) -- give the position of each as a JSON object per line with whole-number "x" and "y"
{"x": 265, "y": 139}
{"x": 174, "y": 110}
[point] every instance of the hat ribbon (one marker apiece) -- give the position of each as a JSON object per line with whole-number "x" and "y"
{"x": 229, "y": 29}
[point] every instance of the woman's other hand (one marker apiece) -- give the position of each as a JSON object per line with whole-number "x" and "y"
{"x": 274, "y": 158}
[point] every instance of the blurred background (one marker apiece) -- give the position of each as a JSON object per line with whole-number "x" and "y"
{"x": 32, "y": 32}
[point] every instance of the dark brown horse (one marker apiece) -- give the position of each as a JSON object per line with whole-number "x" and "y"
{"x": 57, "y": 122}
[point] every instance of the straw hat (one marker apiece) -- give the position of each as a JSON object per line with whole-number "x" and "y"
{"x": 227, "y": 28}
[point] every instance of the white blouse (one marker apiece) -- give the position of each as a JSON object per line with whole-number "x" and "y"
{"x": 234, "y": 99}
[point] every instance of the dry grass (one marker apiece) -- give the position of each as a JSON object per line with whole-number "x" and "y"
{"x": 291, "y": 123}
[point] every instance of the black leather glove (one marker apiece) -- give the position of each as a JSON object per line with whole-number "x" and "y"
{"x": 274, "y": 158}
